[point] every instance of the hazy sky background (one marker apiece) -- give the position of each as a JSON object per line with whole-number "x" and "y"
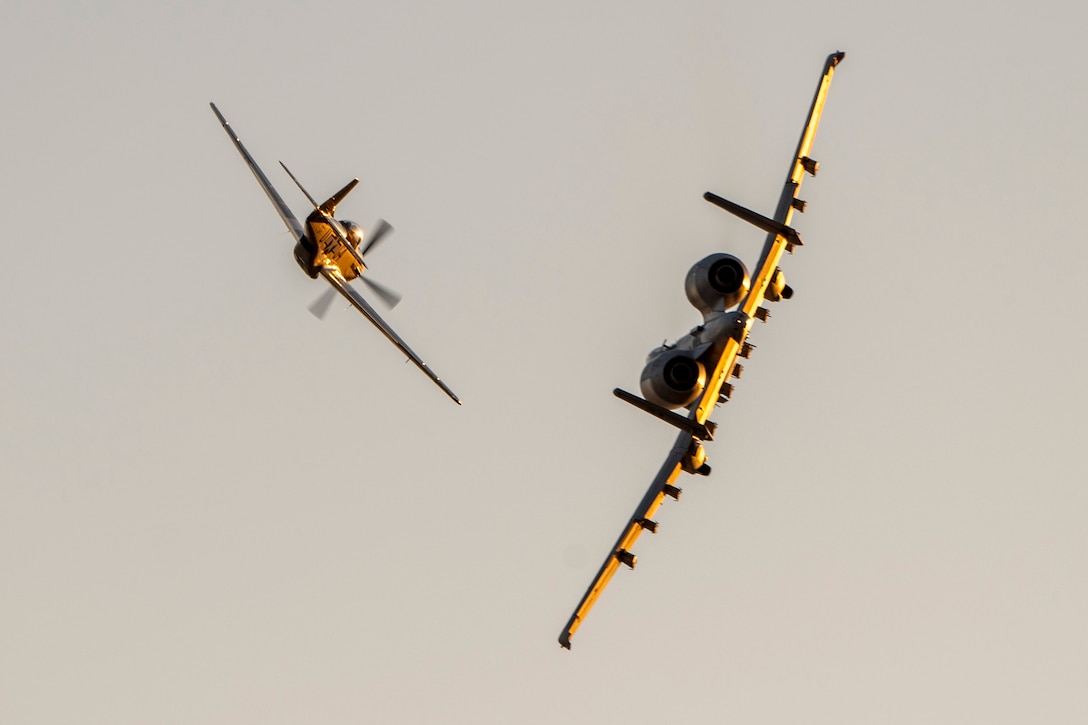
{"x": 215, "y": 509}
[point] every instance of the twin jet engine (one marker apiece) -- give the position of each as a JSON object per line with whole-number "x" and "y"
{"x": 675, "y": 375}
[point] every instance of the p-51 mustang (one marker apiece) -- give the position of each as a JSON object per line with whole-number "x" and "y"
{"x": 334, "y": 249}
{"x": 692, "y": 372}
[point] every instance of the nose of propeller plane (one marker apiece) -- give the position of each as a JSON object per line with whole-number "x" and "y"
{"x": 353, "y": 232}
{"x": 364, "y": 243}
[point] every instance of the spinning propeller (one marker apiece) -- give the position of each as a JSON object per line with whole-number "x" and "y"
{"x": 320, "y": 307}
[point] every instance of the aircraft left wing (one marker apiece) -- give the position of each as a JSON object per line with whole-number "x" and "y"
{"x": 333, "y": 277}
{"x": 781, "y": 238}
{"x": 277, "y": 201}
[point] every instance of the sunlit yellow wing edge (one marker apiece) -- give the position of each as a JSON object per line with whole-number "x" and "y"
{"x": 639, "y": 521}
{"x": 773, "y": 248}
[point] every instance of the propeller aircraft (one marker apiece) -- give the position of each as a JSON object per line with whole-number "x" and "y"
{"x": 334, "y": 249}
{"x": 692, "y": 373}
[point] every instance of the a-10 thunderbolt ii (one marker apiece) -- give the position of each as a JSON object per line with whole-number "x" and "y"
{"x": 692, "y": 373}
{"x": 334, "y": 249}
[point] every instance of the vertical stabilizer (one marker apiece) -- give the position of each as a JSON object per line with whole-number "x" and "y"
{"x": 330, "y": 206}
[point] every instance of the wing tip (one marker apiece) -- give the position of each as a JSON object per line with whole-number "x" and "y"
{"x": 445, "y": 388}
{"x": 215, "y": 110}
{"x": 568, "y": 631}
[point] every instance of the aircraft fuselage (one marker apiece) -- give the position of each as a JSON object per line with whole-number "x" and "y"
{"x": 322, "y": 247}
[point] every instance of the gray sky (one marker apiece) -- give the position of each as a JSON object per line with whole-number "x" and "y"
{"x": 215, "y": 509}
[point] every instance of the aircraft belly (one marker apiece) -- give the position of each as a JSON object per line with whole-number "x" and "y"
{"x": 345, "y": 262}
{"x": 333, "y": 251}
{"x": 722, "y": 327}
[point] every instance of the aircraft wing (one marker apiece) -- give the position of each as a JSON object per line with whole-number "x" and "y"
{"x": 642, "y": 519}
{"x": 332, "y": 275}
{"x": 277, "y": 201}
{"x": 780, "y": 238}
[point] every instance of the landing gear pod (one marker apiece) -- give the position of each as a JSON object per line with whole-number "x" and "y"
{"x": 777, "y": 289}
{"x": 695, "y": 460}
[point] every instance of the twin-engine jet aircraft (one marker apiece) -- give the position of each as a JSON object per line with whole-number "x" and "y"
{"x": 692, "y": 372}
{"x": 334, "y": 249}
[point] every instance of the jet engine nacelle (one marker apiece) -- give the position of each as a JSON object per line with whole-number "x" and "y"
{"x": 673, "y": 379}
{"x": 717, "y": 283}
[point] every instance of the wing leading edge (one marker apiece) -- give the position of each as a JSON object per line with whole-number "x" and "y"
{"x": 780, "y": 237}
{"x": 277, "y": 201}
{"x": 663, "y": 485}
{"x": 333, "y": 277}
{"x": 777, "y": 242}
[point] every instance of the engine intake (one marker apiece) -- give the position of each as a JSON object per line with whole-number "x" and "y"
{"x": 673, "y": 379}
{"x": 717, "y": 283}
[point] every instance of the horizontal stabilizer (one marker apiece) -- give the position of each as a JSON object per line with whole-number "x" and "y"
{"x": 768, "y": 225}
{"x": 702, "y": 431}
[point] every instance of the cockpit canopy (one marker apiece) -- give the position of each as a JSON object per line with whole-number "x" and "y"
{"x": 353, "y": 232}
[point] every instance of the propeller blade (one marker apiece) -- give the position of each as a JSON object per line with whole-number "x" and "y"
{"x": 320, "y": 306}
{"x": 380, "y": 229}
{"x": 388, "y": 296}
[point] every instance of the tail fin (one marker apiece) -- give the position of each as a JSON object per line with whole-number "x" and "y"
{"x": 330, "y": 206}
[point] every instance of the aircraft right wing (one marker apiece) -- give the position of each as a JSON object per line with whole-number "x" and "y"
{"x": 277, "y": 201}
{"x": 333, "y": 277}
{"x": 662, "y": 485}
